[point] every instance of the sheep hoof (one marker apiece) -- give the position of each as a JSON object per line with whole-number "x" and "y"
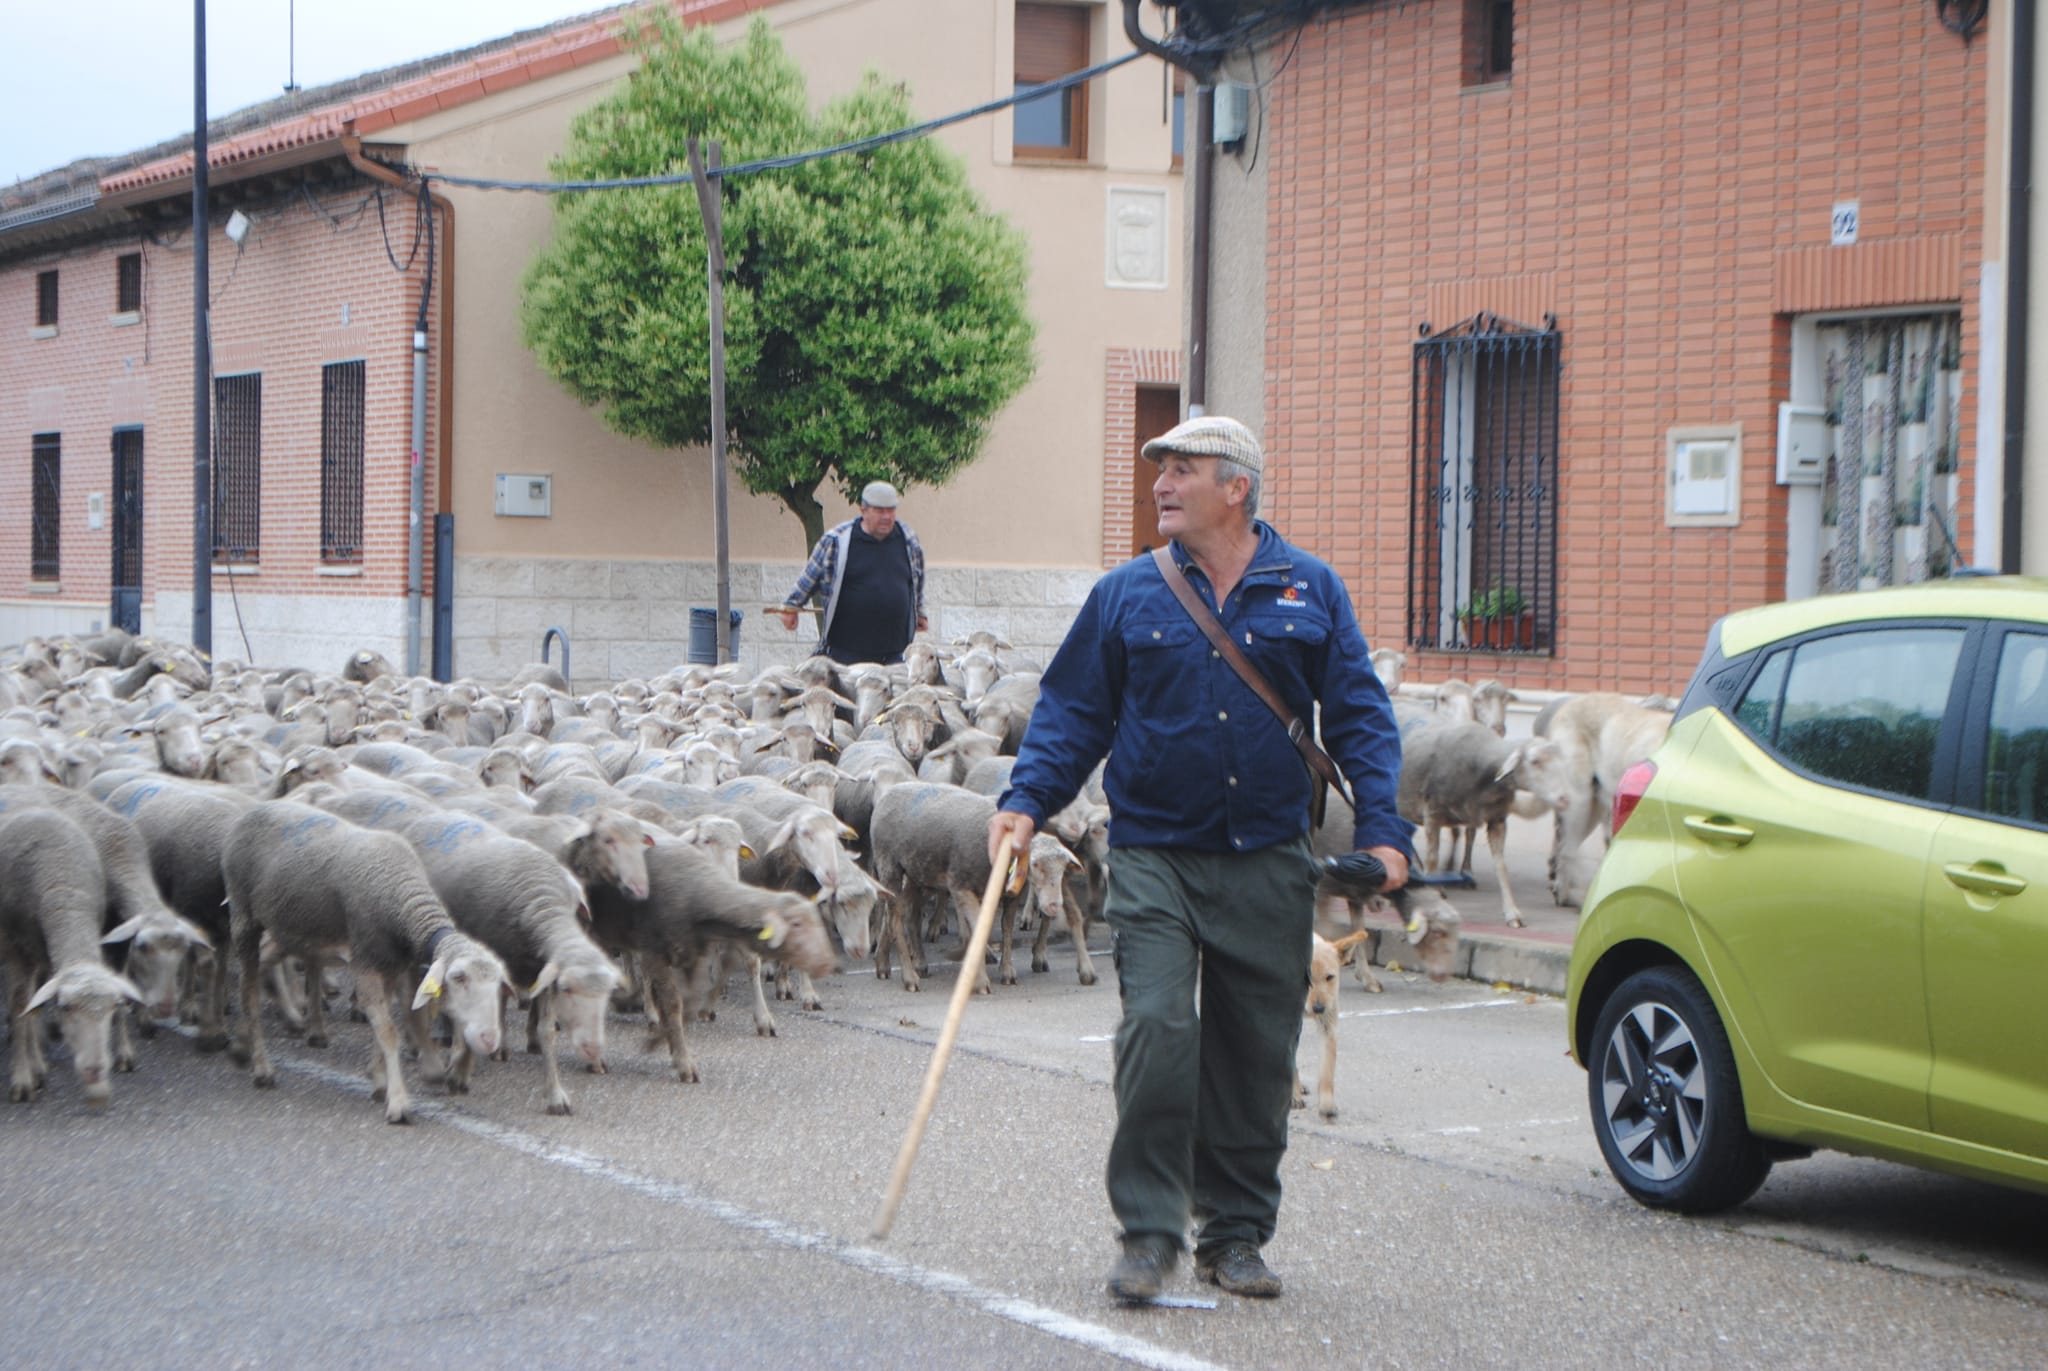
{"x": 504, "y": 1054}
{"x": 239, "y": 1054}
{"x": 211, "y": 1042}
{"x": 316, "y": 1040}
{"x": 1087, "y": 978}
{"x": 146, "y": 1027}
{"x": 376, "y": 1094}
{"x": 1298, "y": 1102}
{"x": 764, "y": 1030}
{"x": 265, "y": 1079}
{"x": 124, "y": 1061}
{"x": 560, "y": 1107}
{"x": 688, "y": 1075}
{"x": 1329, "y": 1115}
{"x": 598, "y": 1069}
{"x": 814, "y": 1003}
{"x": 19, "y": 1093}
{"x": 457, "y": 1087}
{"x": 1515, "y": 921}
{"x": 397, "y": 1116}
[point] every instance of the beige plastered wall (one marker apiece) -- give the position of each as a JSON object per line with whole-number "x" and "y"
{"x": 1033, "y": 499}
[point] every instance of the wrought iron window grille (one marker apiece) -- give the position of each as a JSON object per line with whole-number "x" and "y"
{"x": 341, "y": 462}
{"x": 1482, "y": 572}
{"x": 237, "y": 468}
{"x": 46, "y": 462}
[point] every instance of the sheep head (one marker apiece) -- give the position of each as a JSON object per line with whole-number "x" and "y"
{"x": 86, "y": 996}
{"x": 464, "y": 983}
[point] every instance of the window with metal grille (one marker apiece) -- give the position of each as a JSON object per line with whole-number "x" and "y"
{"x": 1489, "y": 41}
{"x": 1052, "y": 41}
{"x": 128, "y": 507}
{"x": 46, "y": 465}
{"x": 128, "y": 283}
{"x": 341, "y": 462}
{"x": 237, "y": 467}
{"x": 1482, "y": 574}
{"x": 46, "y": 299}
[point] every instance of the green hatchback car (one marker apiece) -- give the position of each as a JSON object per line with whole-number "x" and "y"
{"x": 1823, "y": 919}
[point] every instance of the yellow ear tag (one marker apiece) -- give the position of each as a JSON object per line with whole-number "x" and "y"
{"x": 1415, "y": 924}
{"x": 766, "y": 935}
{"x": 431, "y": 987}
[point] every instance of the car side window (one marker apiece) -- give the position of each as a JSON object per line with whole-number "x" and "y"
{"x": 2016, "y": 759}
{"x": 1758, "y": 712}
{"x": 1865, "y": 708}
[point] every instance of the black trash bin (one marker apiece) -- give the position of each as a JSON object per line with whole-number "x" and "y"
{"x": 704, "y": 636}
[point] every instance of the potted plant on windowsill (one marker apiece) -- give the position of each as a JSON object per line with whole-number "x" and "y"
{"x": 1498, "y": 618}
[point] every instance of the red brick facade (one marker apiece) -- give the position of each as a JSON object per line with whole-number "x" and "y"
{"x": 1126, "y": 370}
{"x": 304, "y": 290}
{"x": 1660, "y": 177}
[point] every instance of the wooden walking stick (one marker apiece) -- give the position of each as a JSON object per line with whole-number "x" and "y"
{"x": 970, "y": 965}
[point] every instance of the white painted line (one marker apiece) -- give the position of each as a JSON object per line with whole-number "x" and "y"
{"x": 1446, "y": 1132}
{"x": 1423, "y": 1009}
{"x": 1064, "y": 1326}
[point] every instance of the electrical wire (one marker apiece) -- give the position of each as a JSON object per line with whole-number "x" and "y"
{"x": 794, "y": 159}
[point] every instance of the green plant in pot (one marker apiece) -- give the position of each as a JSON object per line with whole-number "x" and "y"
{"x": 1499, "y": 617}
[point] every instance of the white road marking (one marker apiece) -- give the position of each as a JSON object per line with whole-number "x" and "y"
{"x": 1425, "y": 1009}
{"x": 1064, "y": 1326}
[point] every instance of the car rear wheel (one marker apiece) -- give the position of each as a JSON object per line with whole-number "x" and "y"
{"x": 1667, "y": 1105}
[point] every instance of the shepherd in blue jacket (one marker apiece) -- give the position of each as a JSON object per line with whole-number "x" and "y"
{"x": 1211, "y": 888}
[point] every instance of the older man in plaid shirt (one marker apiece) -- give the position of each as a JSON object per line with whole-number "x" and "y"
{"x": 870, "y": 574}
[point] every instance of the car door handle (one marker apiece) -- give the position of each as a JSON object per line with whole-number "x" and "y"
{"x": 1982, "y": 880}
{"x": 1719, "y": 830}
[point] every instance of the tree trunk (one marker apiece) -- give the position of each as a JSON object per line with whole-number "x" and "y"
{"x": 804, "y": 504}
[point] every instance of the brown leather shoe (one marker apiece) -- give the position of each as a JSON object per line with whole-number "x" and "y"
{"x": 1141, "y": 1272}
{"x": 1238, "y": 1268}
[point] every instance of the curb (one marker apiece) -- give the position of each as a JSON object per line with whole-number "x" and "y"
{"x": 1522, "y": 958}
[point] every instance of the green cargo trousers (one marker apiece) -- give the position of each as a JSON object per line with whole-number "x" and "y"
{"x": 1202, "y": 1098}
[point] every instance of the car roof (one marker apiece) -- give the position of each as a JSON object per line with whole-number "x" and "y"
{"x": 1964, "y": 597}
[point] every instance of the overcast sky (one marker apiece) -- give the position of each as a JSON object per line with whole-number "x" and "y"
{"x": 93, "y": 78}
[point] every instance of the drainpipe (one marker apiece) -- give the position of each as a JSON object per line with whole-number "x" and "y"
{"x": 2019, "y": 228}
{"x": 1197, "y": 160}
{"x": 352, "y": 148}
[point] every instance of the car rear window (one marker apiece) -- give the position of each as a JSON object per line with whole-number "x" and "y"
{"x": 2016, "y": 770}
{"x": 1863, "y": 708}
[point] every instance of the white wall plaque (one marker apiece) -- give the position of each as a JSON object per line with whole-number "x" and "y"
{"x": 1842, "y": 224}
{"x": 1136, "y": 247}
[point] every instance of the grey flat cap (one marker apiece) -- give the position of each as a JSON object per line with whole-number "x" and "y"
{"x": 880, "y": 495}
{"x": 1212, "y": 435}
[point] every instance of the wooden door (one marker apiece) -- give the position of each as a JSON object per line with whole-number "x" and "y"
{"x": 1158, "y": 410}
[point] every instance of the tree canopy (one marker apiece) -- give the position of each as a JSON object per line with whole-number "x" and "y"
{"x": 875, "y": 310}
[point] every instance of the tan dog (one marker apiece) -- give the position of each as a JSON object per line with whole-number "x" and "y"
{"x": 1325, "y": 965}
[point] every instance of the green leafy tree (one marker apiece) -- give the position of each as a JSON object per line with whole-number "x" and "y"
{"x": 875, "y": 319}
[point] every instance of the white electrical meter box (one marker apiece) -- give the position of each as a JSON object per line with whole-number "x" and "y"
{"x": 96, "y": 510}
{"x": 524, "y": 497}
{"x": 1233, "y": 114}
{"x": 1802, "y": 444}
{"x": 1705, "y": 476}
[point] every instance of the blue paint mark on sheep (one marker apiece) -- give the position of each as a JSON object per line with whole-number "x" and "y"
{"x": 387, "y": 808}
{"x": 138, "y": 796}
{"x": 300, "y": 831}
{"x": 451, "y": 835}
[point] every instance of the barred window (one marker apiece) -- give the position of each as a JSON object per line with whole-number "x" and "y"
{"x": 128, "y": 283}
{"x": 1489, "y": 41}
{"x": 46, "y": 475}
{"x": 341, "y": 462}
{"x": 46, "y": 298}
{"x": 1483, "y": 568}
{"x": 237, "y": 467}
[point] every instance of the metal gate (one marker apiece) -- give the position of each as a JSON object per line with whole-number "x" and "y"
{"x": 1482, "y": 571}
{"x": 126, "y": 609}
{"x": 1894, "y": 397}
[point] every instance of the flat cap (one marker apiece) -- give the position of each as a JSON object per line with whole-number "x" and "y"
{"x": 1211, "y": 435}
{"x": 880, "y": 495}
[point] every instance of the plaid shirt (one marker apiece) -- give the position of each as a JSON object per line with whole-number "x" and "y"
{"x": 820, "y": 574}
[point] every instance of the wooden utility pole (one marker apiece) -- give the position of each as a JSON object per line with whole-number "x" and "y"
{"x": 708, "y": 204}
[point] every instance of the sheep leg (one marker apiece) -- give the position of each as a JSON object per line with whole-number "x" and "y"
{"x": 764, "y": 1022}
{"x": 420, "y": 1027}
{"x": 806, "y": 993}
{"x": 124, "y": 1044}
{"x": 1006, "y": 971}
{"x": 966, "y": 910}
{"x": 544, "y": 1015}
{"x": 903, "y": 919}
{"x": 1471, "y": 832}
{"x": 533, "y": 1017}
{"x": 387, "y": 1079}
{"x": 1574, "y": 825}
{"x": 1361, "y": 965}
{"x": 1077, "y": 925}
{"x": 461, "y": 1061}
{"x": 286, "y": 994}
{"x": 22, "y": 1081}
{"x": 1496, "y": 845}
{"x": 668, "y": 997}
{"x": 211, "y": 973}
{"x": 1038, "y": 960}
{"x": 316, "y": 1006}
{"x": 250, "y": 1049}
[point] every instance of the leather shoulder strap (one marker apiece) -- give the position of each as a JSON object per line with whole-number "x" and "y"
{"x": 1297, "y": 732}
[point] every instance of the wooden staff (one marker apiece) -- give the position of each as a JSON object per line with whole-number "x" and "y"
{"x": 970, "y": 965}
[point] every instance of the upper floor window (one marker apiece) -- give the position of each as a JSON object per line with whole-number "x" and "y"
{"x": 1489, "y": 41}
{"x": 128, "y": 283}
{"x": 1482, "y": 570}
{"x": 46, "y": 298}
{"x": 341, "y": 462}
{"x": 1052, "y": 41}
{"x": 237, "y": 467}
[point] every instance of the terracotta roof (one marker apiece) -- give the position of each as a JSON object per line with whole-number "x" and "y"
{"x": 381, "y": 100}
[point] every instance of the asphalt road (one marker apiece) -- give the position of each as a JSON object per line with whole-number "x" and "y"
{"x": 1456, "y": 1214}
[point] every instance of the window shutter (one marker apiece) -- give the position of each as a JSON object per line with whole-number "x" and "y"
{"x": 1052, "y": 40}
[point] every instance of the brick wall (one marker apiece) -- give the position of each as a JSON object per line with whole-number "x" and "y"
{"x": 1658, "y": 176}
{"x": 311, "y": 284}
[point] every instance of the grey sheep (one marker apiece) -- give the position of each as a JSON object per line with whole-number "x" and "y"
{"x": 690, "y": 903}
{"x": 51, "y": 896}
{"x": 318, "y": 884}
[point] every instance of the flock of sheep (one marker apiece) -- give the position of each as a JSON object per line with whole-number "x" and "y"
{"x": 460, "y": 848}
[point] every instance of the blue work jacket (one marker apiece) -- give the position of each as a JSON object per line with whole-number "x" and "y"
{"x": 1195, "y": 758}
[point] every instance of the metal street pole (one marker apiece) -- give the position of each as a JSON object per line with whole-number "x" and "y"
{"x": 709, "y": 205}
{"x": 202, "y": 369}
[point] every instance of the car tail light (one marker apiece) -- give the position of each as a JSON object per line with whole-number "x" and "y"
{"x": 1634, "y": 782}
